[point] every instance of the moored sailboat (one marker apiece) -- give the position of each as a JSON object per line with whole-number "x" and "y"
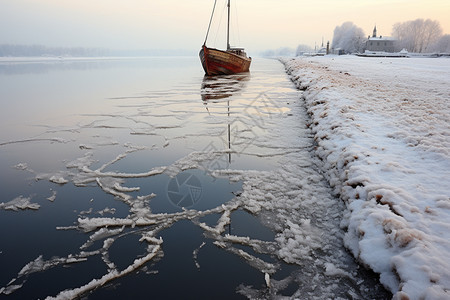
{"x": 224, "y": 62}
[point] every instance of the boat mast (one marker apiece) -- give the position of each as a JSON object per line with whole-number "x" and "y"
{"x": 228, "y": 27}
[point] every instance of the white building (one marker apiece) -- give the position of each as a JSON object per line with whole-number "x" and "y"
{"x": 380, "y": 44}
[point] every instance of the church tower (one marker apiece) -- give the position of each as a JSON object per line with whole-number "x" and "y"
{"x": 374, "y": 31}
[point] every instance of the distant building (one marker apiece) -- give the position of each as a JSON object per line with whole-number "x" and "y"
{"x": 338, "y": 51}
{"x": 380, "y": 44}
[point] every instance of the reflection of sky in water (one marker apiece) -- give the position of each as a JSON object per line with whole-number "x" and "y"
{"x": 54, "y": 113}
{"x": 115, "y": 134}
{"x": 60, "y": 93}
{"x": 115, "y": 102}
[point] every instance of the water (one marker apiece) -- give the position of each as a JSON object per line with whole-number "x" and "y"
{"x": 143, "y": 178}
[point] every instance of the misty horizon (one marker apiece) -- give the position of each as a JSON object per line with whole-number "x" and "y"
{"x": 171, "y": 24}
{"x": 24, "y": 50}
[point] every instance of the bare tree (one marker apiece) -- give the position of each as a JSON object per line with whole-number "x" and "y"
{"x": 349, "y": 38}
{"x": 442, "y": 45}
{"x": 418, "y": 35}
{"x": 303, "y": 49}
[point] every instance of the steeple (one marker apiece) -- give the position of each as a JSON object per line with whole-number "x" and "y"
{"x": 374, "y": 31}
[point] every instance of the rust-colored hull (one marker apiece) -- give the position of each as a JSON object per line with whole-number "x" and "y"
{"x": 218, "y": 62}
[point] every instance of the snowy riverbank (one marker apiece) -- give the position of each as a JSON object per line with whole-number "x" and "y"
{"x": 382, "y": 131}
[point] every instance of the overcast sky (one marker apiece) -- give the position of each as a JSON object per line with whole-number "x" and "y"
{"x": 182, "y": 24}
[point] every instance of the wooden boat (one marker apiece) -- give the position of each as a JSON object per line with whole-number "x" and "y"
{"x": 224, "y": 62}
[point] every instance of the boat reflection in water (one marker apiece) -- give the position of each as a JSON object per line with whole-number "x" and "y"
{"x": 218, "y": 90}
{"x": 221, "y": 87}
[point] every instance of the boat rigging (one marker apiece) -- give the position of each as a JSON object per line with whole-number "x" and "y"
{"x": 223, "y": 62}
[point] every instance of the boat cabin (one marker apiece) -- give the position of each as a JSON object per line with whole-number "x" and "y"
{"x": 238, "y": 51}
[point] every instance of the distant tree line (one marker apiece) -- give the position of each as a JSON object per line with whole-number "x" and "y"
{"x": 283, "y": 51}
{"x": 39, "y": 50}
{"x": 418, "y": 36}
{"x": 349, "y": 37}
{"x": 287, "y": 51}
{"x": 301, "y": 49}
{"x": 43, "y": 51}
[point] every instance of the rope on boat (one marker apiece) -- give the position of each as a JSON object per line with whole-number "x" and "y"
{"x": 210, "y": 21}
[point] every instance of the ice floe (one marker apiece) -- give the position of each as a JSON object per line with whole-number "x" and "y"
{"x": 53, "y": 196}
{"x": 20, "y": 202}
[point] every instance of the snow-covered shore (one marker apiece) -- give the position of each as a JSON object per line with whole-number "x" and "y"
{"x": 383, "y": 133}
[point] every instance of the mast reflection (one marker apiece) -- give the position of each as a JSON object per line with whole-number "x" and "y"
{"x": 217, "y": 89}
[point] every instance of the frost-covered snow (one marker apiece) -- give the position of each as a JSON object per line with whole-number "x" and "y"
{"x": 382, "y": 131}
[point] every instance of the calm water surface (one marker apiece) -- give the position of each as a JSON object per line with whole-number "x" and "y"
{"x": 109, "y": 178}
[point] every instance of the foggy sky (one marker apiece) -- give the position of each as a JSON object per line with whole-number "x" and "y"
{"x": 182, "y": 24}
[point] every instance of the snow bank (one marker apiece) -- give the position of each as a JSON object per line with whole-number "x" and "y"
{"x": 382, "y": 132}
